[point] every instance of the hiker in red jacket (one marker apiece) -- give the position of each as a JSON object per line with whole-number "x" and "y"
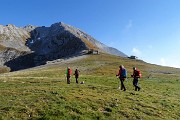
{"x": 76, "y": 73}
{"x": 136, "y": 75}
{"x": 122, "y": 76}
{"x": 68, "y": 74}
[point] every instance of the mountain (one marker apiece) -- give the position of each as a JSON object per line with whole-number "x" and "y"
{"x": 60, "y": 37}
{"x": 31, "y": 45}
{"x": 12, "y": 43}
{"x": 43, "y": 93}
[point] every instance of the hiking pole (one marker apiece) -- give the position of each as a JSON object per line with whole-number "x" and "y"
{"x": 65, "y": 77}
{"x": 126, "y": 78}
{"x": 118, "y": 82}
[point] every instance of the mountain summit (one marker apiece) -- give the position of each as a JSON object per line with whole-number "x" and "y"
{"x": 65, "y": 40}
{"x": 32, "y": 45}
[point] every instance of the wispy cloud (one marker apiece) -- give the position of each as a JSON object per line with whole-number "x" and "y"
{"x": 129, "y": 25}
{"x": 150, "y": 46}
{"x": 136, "y": 52}
{"x": 169, "y": 62}
{"x": 163, "y": 61}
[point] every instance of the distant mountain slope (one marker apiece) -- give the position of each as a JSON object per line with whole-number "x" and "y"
{"x": 12, "y": 43}
{"x": 41, "y": 44}
{"x": 67, "y": 39}
{"x": 13, "y": 37}
{"x": 94, "y": 43}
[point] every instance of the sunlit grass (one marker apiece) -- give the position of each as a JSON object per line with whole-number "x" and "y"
{"x": 42, "y": 93}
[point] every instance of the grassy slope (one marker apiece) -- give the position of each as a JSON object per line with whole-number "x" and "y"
{"x": 43, "y": 93}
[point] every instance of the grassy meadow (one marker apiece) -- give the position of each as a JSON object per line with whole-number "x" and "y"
{"x": 42, "y": 93}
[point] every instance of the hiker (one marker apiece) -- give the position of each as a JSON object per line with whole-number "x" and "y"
{"x": 68, "y": 74}
{"x": 136, "y": 75}
{"x": 76, "y": 73}
{"x": 122, "y": 76}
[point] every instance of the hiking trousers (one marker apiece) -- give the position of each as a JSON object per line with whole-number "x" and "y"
{"x": 77, "y": 80}
{"x": 68, "y": 79}
{"x": 122, "y": 84}
{"x": 135, "y": 83}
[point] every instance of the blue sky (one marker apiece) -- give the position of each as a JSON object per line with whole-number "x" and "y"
{"x": 149, "y": 29}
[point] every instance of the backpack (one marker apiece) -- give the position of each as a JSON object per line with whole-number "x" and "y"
{"x": 124, "y": 73}
{"x": 139, "y": 73}
{"x": 68, "y": 72}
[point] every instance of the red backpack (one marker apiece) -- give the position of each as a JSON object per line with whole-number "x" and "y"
{"x": 139, "y": 73}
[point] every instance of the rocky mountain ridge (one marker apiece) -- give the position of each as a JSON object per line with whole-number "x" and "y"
{"x": 32, "y": 45}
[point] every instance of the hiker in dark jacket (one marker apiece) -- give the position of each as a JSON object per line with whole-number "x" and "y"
{"x": 76, "y": 73}
{"x": 136, "y": 75}
{"x": 68, "y": 74}
{"x": 122, "y": 76}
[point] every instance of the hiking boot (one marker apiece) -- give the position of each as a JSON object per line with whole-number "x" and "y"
{"x": 136, "y": 89}
{"x": 139, "y": 89}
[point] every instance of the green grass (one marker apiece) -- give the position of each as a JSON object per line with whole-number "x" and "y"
{"x": 43, "y": 93}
